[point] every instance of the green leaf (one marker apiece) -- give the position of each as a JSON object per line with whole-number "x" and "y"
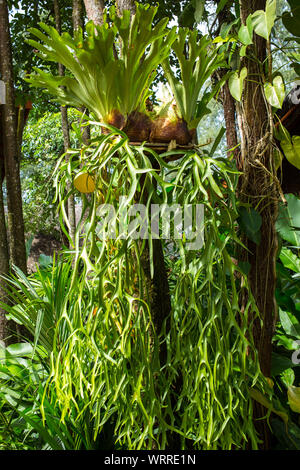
{"x": 287, "y": 435}
{"x": 99, "y": 80}
{"x": 291, "y": 149}
{"x": 275, "y": 92}
{"x": 280, "y": 364}
{"x": 263, "y": 21}
{"x": 296, "y": 67}
{"x": 288, "y": 377}
{"x": 288, "y": 218}
{"x": 294, "y": 398}
{"x": 199, "y": 9}
{"x": 226, "y": 27}
{"x": 250, "y": 222}
{"x": 290, "y": 260}
{"x": 217, "y": 141}
{"x": 291, "y": 20}
{"x": 290, "y": 324}
{"x": 236, "y": 82}
{"x": 20, "y": 349}
{"x": 287, "y": 343}
{"x": 245, "y": 33}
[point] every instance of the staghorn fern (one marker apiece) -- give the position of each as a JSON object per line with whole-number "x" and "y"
{"x": 198, "y": 59}
{"x": 112, "y": 68}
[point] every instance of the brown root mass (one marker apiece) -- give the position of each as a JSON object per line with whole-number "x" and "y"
{"x": 138, "y": 127}
{"x": 116, "y": 119}
{"x": 164, "y": 130}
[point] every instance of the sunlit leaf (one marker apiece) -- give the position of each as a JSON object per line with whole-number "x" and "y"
{"x": 263, "y": 21}
{"x": 236, "y": 82}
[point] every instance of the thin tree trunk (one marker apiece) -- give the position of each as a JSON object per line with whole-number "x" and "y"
{"x": 4, "y": 262}
{"x": 228, "y": 102}
{"x": 230, "y": 124}
{"x": 66, "y": 131}
{"x": 12, "y": 152}
{"x": 77, "y": 16}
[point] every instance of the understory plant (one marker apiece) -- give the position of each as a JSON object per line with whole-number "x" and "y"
{"x": 31, "y": 415}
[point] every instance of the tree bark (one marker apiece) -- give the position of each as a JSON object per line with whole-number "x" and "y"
{"x": 230, "y": 124}
{"x": 94, "y": 10}
{"x": 228, "y": 102}
{"x": 78, "y": 23}
{"x": 77, "y": 14}
{"x": 4, "y": 261}
{"x": 125, "y": 5}
{"x": 258, "y": 187}
{"x": 11, "y": 148}
{"x": 65, "y": 128}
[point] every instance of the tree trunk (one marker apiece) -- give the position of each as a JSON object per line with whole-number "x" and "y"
{"x": 78, "y": 23}
{"x": 4, "y": 262}
{"x": 230, "y": 124}
{"x": 77, "y": 14}
{"x": 94, "y": 10}
{"x": 66, "y": 131}
{"x": 228, "y": 102}
{"x": 125, "y": 5}
{"x": 11, "y": 148}
{"x": 259, "y": 188}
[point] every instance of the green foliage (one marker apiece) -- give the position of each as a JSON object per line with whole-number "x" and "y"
{"x": 288, "y": 220}
{"x": 105, "y": 78}
{"x": 238, "y": 41}
{"x": 25, "y": 14}
{"x": 206, "y": 345}
{"x": 291, "y": 147}
{"x": 285, "y": 362}
{"x": 91, "y": 316}
{"x": 236, "y": 83}
{"x": 263, "y": 20}
{"x": 41, "y": 148}
{"x": 291, "y": 19}
{"x": 245, "y": 33}
{"x": 198, "y": 59}
{"x": 275, "y": 92}
{"x": 29, "y": 399}
{"x": 250, "y": 223}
